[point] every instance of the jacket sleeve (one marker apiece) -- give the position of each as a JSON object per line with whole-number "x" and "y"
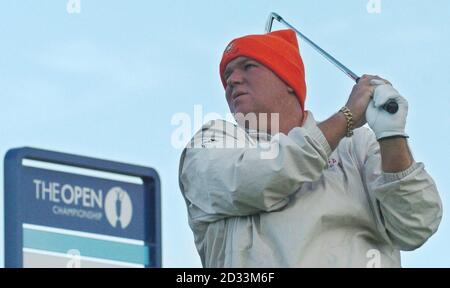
{"x": 406, "y": 204}
{"x": 224, "y": 172}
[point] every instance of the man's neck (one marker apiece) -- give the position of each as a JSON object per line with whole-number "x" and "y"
{"x": 289, "y": 123}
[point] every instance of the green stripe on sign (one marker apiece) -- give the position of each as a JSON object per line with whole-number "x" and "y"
{"x": 88, "y": 247}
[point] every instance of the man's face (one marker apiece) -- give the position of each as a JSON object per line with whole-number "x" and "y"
{"x": 252, "y": 87}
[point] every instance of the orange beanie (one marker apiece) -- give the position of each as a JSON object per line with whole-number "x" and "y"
{"x": 278, "y": 51}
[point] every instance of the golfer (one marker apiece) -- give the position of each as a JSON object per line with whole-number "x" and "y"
{"x": 327, "y": 194}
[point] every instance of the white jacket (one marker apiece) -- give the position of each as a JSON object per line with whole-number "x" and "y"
{"x": 305, "y": 207}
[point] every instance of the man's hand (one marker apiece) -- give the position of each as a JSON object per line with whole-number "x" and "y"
{"x": 383, "y": 123}
{"x": 335, "y": 127}
{"x": 395, "y": 154}
{"x": 359, "y": 99}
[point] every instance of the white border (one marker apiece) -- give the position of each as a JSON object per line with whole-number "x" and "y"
{"x": 81, "y": 171}
{"x": 83, "y": 234}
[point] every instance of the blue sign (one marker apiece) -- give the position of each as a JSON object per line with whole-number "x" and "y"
{"x": 63, "y": 210}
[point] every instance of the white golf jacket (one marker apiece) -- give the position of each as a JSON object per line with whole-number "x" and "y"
{"x": 288, "y": 201}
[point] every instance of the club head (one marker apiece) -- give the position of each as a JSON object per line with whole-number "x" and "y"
{"x": 269, "y": 23}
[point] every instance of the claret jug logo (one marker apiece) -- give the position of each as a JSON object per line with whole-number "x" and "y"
{"x": 118, "y": 208}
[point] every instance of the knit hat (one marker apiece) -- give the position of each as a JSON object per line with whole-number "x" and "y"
{"x": 278, "y": 51}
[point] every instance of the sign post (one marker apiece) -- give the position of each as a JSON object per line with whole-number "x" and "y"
{"x": 64, "y": 210}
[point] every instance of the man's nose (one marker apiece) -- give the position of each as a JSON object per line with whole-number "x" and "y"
{"x": 236, "y": 77}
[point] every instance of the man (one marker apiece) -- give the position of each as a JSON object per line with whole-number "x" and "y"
{"x": 330, "y": 195}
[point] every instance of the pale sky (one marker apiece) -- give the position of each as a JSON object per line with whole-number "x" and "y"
{"x": 107, "y": 81}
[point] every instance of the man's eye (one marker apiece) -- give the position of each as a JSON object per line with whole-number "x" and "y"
{"x": 249, "y": 65}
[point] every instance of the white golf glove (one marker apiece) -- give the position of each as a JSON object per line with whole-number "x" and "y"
{"x": 382, "y": 122}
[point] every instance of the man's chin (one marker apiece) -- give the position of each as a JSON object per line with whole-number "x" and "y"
{"x": 247, "y": 118}
{"x": 243, "y": 108}
{"x": 245, "y": 113}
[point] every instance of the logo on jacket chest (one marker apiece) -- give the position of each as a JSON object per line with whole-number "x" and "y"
{"x": 332, "y": 162}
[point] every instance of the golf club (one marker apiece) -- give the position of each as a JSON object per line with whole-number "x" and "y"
{"x": 391, "y": 106}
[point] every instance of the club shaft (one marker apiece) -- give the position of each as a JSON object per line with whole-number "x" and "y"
{"x": 327, "y": 56}
{"x": 391, "y": 106}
